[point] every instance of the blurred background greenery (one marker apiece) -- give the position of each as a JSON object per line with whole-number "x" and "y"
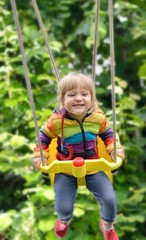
{"x": 26, "y": 198}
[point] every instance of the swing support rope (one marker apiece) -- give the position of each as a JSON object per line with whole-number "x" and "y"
{"x": 95, "y": 40}
{"x": 21, "y": 45}
{"x": 27, "y": 79}
{"x": 35, "y": 6}
{"x": 112, "y": 60}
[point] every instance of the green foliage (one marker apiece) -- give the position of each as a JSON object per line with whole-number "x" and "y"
{"x": 26, "y": 199}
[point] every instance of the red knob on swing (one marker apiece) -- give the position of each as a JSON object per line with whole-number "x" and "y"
{"x": 78, "y": 161}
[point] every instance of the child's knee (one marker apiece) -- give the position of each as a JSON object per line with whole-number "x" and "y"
{"x": 64, "y": 211}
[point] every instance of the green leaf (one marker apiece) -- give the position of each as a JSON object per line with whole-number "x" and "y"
{"x": 17, "y": 141}
{"x": 142, "y": 71}
{"x": 134, "y": 200}
{"x": 48, "y": 193}
{"x": 5, "y": 221}
{"x": 46, "y": 225}
{"x": 141, "y": 52}
{"x": 78, "y": 212}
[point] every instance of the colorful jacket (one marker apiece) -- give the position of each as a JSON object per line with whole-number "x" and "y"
{"x": 75, "y": 138}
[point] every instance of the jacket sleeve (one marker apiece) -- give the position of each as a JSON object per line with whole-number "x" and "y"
{"x": 107, "y": 135}
{"x": 47, "y": 133}
{"x": 45, "y": 141}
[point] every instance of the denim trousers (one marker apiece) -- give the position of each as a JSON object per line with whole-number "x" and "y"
{"x": 65, "y": 187}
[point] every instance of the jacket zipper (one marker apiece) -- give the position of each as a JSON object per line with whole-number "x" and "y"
{"x": 83, "y": 135}
{"x": 84, "y": 138}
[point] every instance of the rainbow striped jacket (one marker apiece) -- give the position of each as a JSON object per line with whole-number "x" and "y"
{"x": 75, "y": 138}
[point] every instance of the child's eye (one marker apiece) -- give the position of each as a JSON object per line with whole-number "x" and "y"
{"x": 85, "y": 94}
{"x": 71, "y": 95}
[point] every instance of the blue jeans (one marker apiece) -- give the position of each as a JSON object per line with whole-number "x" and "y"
{"x": 65, "y": 187}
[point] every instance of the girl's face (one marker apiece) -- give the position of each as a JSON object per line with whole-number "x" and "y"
{"x": 77, "y": 102}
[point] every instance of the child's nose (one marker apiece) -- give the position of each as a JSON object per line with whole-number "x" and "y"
{"x": 78, "y": 97}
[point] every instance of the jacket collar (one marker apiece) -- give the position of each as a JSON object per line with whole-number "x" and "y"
{"x": 64, "y": 112}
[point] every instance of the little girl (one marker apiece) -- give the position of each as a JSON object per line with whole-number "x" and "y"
{"x": 76, "y": 124}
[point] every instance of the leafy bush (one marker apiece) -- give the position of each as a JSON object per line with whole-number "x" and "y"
{"x": 27, "y": 200}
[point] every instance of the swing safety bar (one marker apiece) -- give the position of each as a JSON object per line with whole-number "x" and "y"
{"x": 80, "y": 167}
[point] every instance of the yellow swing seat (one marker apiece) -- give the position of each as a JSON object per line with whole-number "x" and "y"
{"x": 80, "y": 167}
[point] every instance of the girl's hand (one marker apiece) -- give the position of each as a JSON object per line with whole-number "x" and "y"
{"x": 37, "y": 162}
{"x": 119, "y": 152}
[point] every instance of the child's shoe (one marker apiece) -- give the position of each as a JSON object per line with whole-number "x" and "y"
{"x": 61, "y": 228}
{"x": 111, "y": 235}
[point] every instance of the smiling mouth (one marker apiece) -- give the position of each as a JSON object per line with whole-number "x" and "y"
{"x": 78, "y": 105}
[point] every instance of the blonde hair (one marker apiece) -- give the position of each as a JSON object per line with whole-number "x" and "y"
{"x": 72, "y": 81}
